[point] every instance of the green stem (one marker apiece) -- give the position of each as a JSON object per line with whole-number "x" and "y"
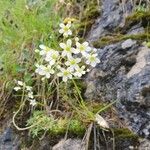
{"x": 107, "y": 106}
{"x": 82, "y": 101}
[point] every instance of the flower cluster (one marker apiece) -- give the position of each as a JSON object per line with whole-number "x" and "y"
{"x": 28, "y": 91}
{"x": 71, "y": 60}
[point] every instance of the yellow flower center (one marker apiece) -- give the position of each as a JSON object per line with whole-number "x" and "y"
{"x": 92, "y": 58}
{"x": 68, "y": 48}
{"x": 66, "y": 29}
{"x": 54, "y": 56}
{"x": 66, "y": 73}
{"x": 73, "y": 62}
{"x": 82, "y": 48}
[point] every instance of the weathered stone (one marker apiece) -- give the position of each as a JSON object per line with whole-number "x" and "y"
{"x": 113, "y": 15}
{"x": 137, "y": 29}
{"x": 128, "y": 43}
{"x": 70, "y": 144}
{"x": 124, "y": 71}
{"x": 9, "y": 140}
{"x": 144, "y": 144}
{"x": 127, "y": 79}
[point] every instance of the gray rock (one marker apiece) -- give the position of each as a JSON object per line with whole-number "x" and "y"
{"x": 128, "y": 43}
{"x": 144, "y": 144}
{"x": 126, "y": 78}
{"x": 124, "y": 71}
{"x": 113, "y": 15}
{"x": 9, "y": 140}
{"x": 70, "y": 144}
{"x": 137, "y": 29}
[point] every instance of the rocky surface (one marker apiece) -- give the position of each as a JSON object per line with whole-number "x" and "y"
{"x": 113, "y": 15}
{"x": 124, "y": 71}
{"x": 9, "y": 140}
{"x": 70, "y": 144}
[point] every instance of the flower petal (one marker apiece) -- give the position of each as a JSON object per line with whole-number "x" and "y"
{"x": 61, "y": 25}
{"x": 69, "y": 42}
{"x": 68, "y": 25}
{"x": 62, "y": 45}
{"x": 69, "y": 32}
{"x": 42, "y": 47}
{"x": 61, "y": 31}
{"x": 86, "y": 44}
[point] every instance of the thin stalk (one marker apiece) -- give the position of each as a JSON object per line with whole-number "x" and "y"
{"x": 107, "y": 106}
{"x": 82, "y": 101}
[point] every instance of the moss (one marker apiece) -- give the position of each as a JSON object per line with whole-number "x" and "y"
{"x": 76, "y": 127}
{"x": 134, "y": 19}
{"x": 94, "y": 106}
{"x": 124, "y": 138}
{"x": 55, "y": 127}
{"x": 143, "y": 17}
{"x": 124, "y": 133}
{"x": 117, "y": 38}
{"x": 90, "y": 12}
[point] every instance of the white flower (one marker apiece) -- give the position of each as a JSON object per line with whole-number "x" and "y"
{"x": 67, "y": 49}
{"x": 65, "y": 29}
{"x": 17, "y": 88}
{"x": 92, "y": 60}
{"x": 28, "y": 88}
{"x": 65, "y": 74}
{"x": 51, "y": 57}
{"x": 30, "y": 95}
{"x": 76, "y": 39}
{"x": 48, "y": 71}
{"x": 88, "y": 70}
{"x": 80, "y": 71}
{"x": 33, "y": 102}
{"x": 83, "y": 48}
{"x": 44, "y": 70}
{"x": 73, "y": 63}
{"x": 44, "y": 49}
{"x": 40, "y": 69}
{"x": 20, "y": 83}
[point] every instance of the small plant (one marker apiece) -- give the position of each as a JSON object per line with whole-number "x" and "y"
{"x": 41, "y": 123}
{"x": 27, "y": 92}
{"x": 71, "y": 60}
{"x": 141, "y": 8}
{"x": 56, "y": 69}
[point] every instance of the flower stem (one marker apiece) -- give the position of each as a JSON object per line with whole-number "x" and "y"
{"x": 91, "y": 115}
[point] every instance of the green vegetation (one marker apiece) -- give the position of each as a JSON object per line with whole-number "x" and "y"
{"x": 41, "y": 123}
{"x": 60, "y": 107}
{"x": 120, "y": 37}
{"x": 89, "y": 14}
{"x": 24, "y": 25}
{"x": 124, "y": 134}
{"x": 137, "y": 17}
{"x": 85, "y": 11}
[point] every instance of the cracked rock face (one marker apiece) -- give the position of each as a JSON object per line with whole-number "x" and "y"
{"x": 124, "y": 71}
{"x": 124, "y": 75}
